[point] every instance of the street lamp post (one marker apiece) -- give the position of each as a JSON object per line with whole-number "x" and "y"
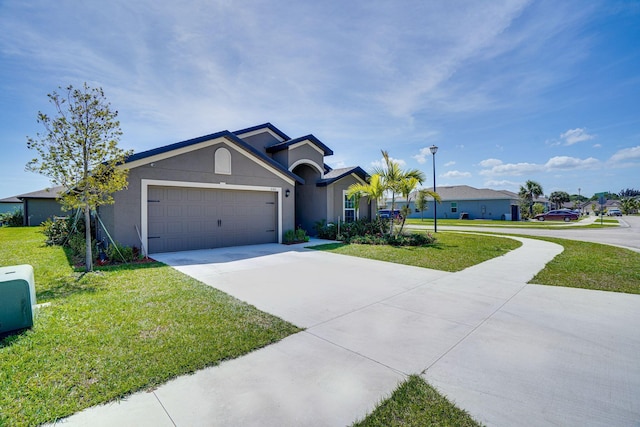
{"x": 580, "y": 200}
{"x": 433, "y": 150}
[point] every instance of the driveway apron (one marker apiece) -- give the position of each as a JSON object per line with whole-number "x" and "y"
{"x": 507, "y": 352}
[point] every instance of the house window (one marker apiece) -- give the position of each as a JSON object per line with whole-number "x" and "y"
{"x": 454, "y": 207}
{"x": 222, "y": 161}
{"x": 349, "y": 208}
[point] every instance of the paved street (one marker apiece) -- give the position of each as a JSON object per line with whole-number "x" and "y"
{"x": 627, "y": 235}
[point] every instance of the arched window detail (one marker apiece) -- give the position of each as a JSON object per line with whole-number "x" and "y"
{"x": 222, "y": 161}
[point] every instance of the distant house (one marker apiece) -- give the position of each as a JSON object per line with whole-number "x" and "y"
{"x": 10, "y": 204}
{"x": 41, "y": 205}
{"x": 588, "y": 207}
{"x": 473, "y": 203}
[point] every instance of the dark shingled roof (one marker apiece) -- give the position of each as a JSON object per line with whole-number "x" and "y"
{"x": 336, "y": 174}
{"x": 286, "y": 144}
{"x": 47, "y": 193}
{"x": 223, "y": 134}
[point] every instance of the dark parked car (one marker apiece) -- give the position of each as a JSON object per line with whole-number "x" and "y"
{"x": 386, "y": 213}
{"x": 558, "y": 215}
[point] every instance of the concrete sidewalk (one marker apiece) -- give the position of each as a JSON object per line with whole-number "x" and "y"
{"x": 508, "y": 352}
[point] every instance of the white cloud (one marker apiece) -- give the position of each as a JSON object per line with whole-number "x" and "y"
{"x": 448, "y": 164}
{"x": 573, "y": 136}
{"x": 456, "y": 174}
{"x": 423, "y": 155}
{"x": 626, "y": 154}
{"x": 515, "y": 169}
{"x": 489, "y": 163}
{"x": 502, "y": 184}
{"x": 495, "y": 167}
{"x": 567, "y": 163}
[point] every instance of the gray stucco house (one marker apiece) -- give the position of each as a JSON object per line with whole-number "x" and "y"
{"x": 10, "y": 204}
{"x": 229, "y": 189}
{"x": 477, "y": 203}
{"x": 39, "y": 206}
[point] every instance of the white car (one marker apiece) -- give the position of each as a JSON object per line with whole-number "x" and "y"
{"x": 614, "y": 212}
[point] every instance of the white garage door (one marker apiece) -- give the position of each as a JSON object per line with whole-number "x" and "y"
{"x": 182, "y": 219}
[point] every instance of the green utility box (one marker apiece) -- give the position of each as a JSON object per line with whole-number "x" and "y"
{"x": 17, "y": 298}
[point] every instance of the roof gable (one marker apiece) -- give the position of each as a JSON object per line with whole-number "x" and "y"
{"x": 171, "y": 150}
{"x": 310, "y": 139}
{"x": 337, "y": 174}
{"x": 265, "y": 127}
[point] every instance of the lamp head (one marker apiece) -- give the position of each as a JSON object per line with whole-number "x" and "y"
{"x": 433, "y": 149}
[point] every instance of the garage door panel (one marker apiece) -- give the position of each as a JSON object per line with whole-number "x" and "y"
{"x": 187, "y": 218}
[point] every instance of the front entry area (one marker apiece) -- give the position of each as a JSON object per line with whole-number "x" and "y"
{"x": 185, "y": 218}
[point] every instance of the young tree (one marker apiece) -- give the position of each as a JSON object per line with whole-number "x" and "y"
{"x": 79, "y": 150}
{"x": 531, "y": 190}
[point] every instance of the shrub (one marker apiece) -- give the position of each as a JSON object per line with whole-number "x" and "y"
{"x": 56, "y": 230}
{"x": 78, "y": 246}
{"x": 325, "y": 231}
{"x": 120, "y": 253}
{"x": 297, "y": 236}
{"x": 12, "y": 219}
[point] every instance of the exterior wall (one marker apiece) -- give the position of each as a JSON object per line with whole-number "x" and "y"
{"x": 335, "y": 194}
{"x": 192, "y": 167}
{"x": 261, "y": 141}
{"x": 10, "y": 207}
{"x": 282, "y": 157}
{"x": 38, "y": 211}
{"x": 305, "y": 152}
{"x": 477, "y": 209}
{"x": 311, "y": 200}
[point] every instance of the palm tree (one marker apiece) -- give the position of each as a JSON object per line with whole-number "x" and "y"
{"x": 372, "y": 190}
{"x": 393, "y": 179}
{"x": 531, "y": 190}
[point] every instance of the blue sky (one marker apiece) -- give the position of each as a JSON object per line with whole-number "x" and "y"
{"x": 508, "y": 90}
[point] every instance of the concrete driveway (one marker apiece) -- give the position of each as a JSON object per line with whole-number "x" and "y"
{"x": 507, "y": 352}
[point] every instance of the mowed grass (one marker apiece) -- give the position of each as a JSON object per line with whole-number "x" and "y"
{"x": 110, "y": 333}
{"x": 416, "y": 403}
{"x": 451, "y": 252}
{"x": 547, "y": 225}
{"x": 592, "y": 266}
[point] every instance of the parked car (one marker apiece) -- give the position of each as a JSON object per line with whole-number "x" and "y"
{"x": 386, "y": 213}
{"x": 558, "y": 215}
{"x": 614, "y": 212}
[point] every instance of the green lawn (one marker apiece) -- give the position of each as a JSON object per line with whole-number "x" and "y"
{"x": 111, "y": 333}
{"x": 592, "y": 266}
{"x": 452, "y": 251}
{"x": 416, "y": 403}
{"x": 428, "y": 223}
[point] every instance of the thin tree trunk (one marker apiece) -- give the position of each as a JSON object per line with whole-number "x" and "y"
{"x": 87, "y": 235}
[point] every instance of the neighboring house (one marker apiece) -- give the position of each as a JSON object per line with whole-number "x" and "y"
{"x": 587, "y": 207}
{"x": 476, "y": 203}
{"x": 39, "y": 206}
{"x": 10, "y": 205}
{"x": 229, "y": 189}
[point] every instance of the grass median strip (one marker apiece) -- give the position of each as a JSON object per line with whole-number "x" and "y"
{"x": 416, "y": 403}
{"x": 452, "y": 251}
{"x": 110, "y": 333}
{"x": 591, "y": 266}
